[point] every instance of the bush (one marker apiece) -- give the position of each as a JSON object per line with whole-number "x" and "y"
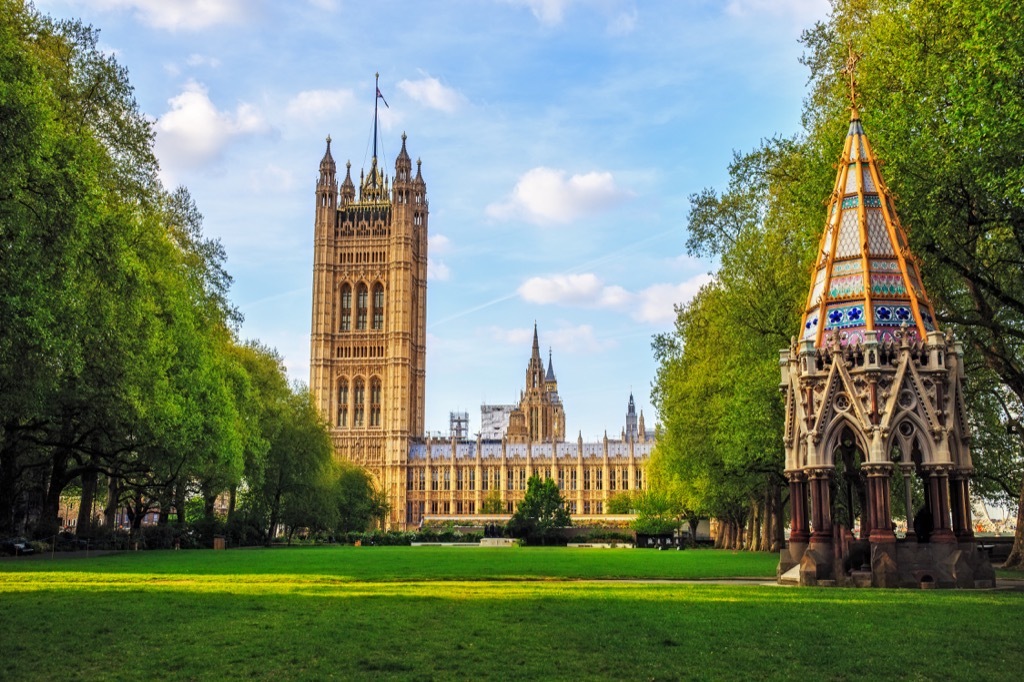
{"x": 204, "y": 530}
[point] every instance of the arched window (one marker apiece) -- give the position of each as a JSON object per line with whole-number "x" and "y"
{"x": 346, "y": 308}
{"x": 358, "y": 400}
{"x": 378, "y": 307}
{"x": 343, "y": 403}
{"x": 361, "y": 304}
{"x": 375, "y": 402}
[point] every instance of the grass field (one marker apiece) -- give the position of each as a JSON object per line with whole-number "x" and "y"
{"x": 428, "y": 613}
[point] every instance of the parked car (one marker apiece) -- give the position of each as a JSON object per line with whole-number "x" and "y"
{"x": 16, "y": 547}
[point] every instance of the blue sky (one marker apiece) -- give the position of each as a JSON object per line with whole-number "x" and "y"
{"x": 560, "y": 142}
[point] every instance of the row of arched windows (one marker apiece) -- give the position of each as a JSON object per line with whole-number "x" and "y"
{"x": 353, "y": 408}
{"x": 363, "y": 311}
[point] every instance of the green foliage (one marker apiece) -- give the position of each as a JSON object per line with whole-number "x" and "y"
{"x": 491, "y": 504}
{"x": 716, "y": 389}
{"x": 941, "y": 97}
{"x": 541, "y": 510}
{"x": 621, "y": 503}
{"x": 658, "y": 511}
{"x": 120, "y": 369}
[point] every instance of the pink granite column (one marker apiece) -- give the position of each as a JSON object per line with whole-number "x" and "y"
{"x": 879, "y": 503}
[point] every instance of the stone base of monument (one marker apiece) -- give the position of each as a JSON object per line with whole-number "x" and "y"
{"x": 906, "y": 564}
{"x": 498, "y": 542}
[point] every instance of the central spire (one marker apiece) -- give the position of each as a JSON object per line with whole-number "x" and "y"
{"x": 866, "y": 280}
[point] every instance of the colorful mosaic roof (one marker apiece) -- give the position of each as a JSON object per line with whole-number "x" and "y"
{"x": 865, "y": 278}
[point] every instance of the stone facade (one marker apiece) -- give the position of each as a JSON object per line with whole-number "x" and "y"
{"x": 368, "y": 338}
{"x": 453, "y": 478}
{"x": 367, "y": 369}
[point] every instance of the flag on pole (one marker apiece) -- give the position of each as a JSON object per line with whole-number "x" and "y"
{"x": 381, "y": 97}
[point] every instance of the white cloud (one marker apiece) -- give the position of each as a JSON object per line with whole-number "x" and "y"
{"x": 579, "y": 339}
{"x": 513, "y": 337}
{"x": 562, "y": 289}
{"x": 179, "y": 14}
{"x": 437, "y": 271}
{"x": 655, "y": 304}
{"x": 195, "y": 59}
{"x": 438, "y": 244}
{"x": 431, "y": 93}
{"x": 315, "y": 105}
{"x": 326, "y": 5}
{"x": 194, "y": 131}
{"x": 565, "y": 339}
{"x": 545, "y": 195}
{"x": 547, "y": 12}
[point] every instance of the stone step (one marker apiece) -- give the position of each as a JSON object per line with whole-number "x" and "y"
{"x": 860, "y": 578}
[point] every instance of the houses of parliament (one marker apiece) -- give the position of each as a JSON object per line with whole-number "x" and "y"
{"x": 367, "y": 370}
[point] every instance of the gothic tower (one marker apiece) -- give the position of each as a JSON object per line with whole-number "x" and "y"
{"x": 368, "y": 337}
{"x": 630, "y": 432}
{"x": 539, "y": 417}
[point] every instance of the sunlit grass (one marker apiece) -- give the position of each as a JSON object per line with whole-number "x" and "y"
{"x": 197, "y": 616}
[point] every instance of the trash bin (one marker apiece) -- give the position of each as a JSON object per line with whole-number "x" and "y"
{"x": 218, "y": 542}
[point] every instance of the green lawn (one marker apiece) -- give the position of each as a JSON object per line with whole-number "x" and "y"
{"x": 424, "y": 563}
{"x": 426, "y": 613}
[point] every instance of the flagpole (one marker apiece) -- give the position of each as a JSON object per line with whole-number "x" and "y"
{"x": 376, "y": 96}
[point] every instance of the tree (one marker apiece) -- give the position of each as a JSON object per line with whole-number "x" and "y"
{"x": 541, "y": 510}
{"x": 491, "y": 504}
{"x": 358, "y": 502}
{"x": 720, "y": 450}
{"x": 297, "y": 461}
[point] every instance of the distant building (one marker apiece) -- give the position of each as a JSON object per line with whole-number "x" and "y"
{"x": 494, "y": 421}
{"x": 539, "y": 417}
{"x": 368, "y": 362}
{"x": 458, "y": 425}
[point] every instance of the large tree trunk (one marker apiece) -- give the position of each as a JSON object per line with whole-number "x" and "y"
{"x": 275, "y": 513}
{"x": 110, "y": 510}
{"x": 49, "y": 515}
{"x": 1016, "y": 558}
{"x": 779, "y": 535}
{"x": 179, "y": 503}
{"x": 753, "y": 523}
{"x": 767, "y": 520}
{"x": 8, "y": 487}
{"x": 232, "y": 495}
{"x": 83, "y": 526}
{"x": 209, "y": 505}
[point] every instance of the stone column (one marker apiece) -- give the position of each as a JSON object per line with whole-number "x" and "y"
{"x": 960, "y": 502}
{"x": 478, "y": 495}
{"x": 938, "y": 484}
{"x": 908, "y": 495}
{"x": 799, "y": 528}
{"x": 821, "y": 505}
{"x": 879, "y": 503}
